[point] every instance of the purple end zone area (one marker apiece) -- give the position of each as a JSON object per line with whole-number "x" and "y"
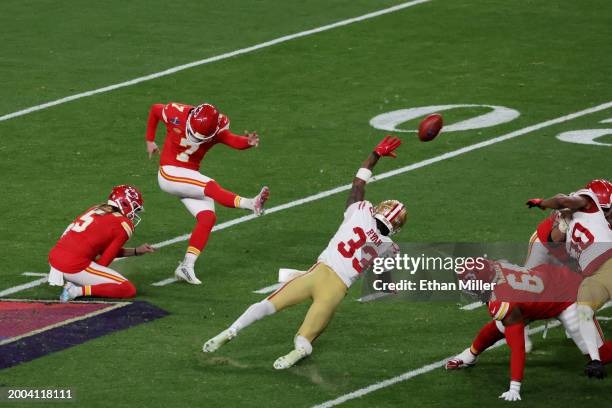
{"x": 63, "y": 336}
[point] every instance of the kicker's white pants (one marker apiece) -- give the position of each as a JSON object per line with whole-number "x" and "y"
{"x": 188, "y": 185}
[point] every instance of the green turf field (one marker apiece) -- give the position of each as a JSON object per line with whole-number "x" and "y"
{"x": 311, "y": 100}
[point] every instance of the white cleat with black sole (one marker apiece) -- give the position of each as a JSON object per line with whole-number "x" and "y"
{"x": 289, "y": 360}
{"x": 186, "y": 273}
{"x": 219, "y": 340}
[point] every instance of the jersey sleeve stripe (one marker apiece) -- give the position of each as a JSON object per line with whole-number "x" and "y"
{"x": 127, "y": 228}
{"x": 181, "y": 179}
{"x": 501, "y": 313}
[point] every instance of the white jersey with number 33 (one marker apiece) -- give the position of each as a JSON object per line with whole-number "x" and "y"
{"x": 356, "y": 243}
{"x": 589, "y": 236}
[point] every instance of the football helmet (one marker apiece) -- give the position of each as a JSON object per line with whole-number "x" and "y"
{"x": 392, "y": 214}
{"x": 128, "y": 200}
{"x": 202, "y": 123}
{"x": 603, "y": 190}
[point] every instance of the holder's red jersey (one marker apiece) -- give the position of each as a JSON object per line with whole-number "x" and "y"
{"x": 541, "y": 293}
{"x": 178, "y": 150}
{"x": 95, "y": 233}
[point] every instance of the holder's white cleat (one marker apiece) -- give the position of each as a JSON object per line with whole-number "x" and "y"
{"x": 260, "y": 200}
{"x": 289, "y": 360}
{"x": 219, "y": 340}
{"x": 66, "y": 297}
{"x": 186, "y": 273}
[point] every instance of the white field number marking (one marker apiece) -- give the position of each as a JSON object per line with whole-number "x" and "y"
{"x": 585, "y": 136}
{"x": 390, "y": 121}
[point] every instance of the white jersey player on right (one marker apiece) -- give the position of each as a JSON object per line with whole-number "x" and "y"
{"x": 362, "y": 236}
{"x": 589, "y": 241}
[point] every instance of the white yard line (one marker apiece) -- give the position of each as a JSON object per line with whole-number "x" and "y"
{"x": 165, "y": 282}
{"x": 413, "y": 373}
{"x": 471, "y": 306}
{"x": 34, "y": 274}
{"x": 215, "y": 58}
{"x": 24, "y": 286}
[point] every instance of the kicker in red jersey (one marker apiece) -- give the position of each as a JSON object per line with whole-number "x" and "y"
{"x": 178, "y": 149}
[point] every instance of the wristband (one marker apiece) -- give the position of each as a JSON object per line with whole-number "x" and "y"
{"x": 135, "y": 252}
{"x": 364, "y": 174}
{"x": 515, "y": 386}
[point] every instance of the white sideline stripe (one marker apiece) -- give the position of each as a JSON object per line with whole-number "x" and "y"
{"x": 472, "y": 306}
{"x": 24, "y": 286}
{"x": 215, "y": 58}
{"x": 165, "y": 282}
{"x": 268, "y": 289}
{"x": 402, "y": 170}
{"x": 34, "y": 274}
{"x": 422, "y": 370}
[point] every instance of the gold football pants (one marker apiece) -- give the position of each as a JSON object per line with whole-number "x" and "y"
{"x": 595, "y": 290}
{"x": 323, "y": 286}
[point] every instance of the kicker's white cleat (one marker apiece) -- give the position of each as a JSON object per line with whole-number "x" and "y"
{"x": 260, "y": 200}
{"x": 289, "y": 360}
{"x": 68, "y": 293}
{"x": 220, "y": 339}
{"x": 185, "y": 272}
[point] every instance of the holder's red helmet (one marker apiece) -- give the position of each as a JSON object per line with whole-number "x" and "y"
{"x": 202, "y": 123}
{"x": 128, "y": 200}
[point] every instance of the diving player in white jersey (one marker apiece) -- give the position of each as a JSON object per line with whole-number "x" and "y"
{"x": 589, "y": 241}
{"x": 363, "y": 236}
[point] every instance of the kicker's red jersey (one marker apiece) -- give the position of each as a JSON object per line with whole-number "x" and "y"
{"x": 541, "y": 293}
{"x": 95, "y": 233}
{"x": 178, "y": 150}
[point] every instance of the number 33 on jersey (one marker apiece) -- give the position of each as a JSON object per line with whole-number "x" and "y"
{"x": 356, "y": 243}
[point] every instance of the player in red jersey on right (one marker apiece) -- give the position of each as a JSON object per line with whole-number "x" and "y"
{"x": 191, "y": 131}
{"x": 89, "y": 245}
{"x": 521, "y": 296}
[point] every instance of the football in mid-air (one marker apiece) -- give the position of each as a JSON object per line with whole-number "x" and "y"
{"x": 430, "y": 127}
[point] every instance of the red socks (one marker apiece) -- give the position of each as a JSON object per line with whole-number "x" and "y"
{"x": 111, "y": 290}
{"x": 220, "y": 195}
{"x": 487, "y": 336}
{"x": 199, "y": 237}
